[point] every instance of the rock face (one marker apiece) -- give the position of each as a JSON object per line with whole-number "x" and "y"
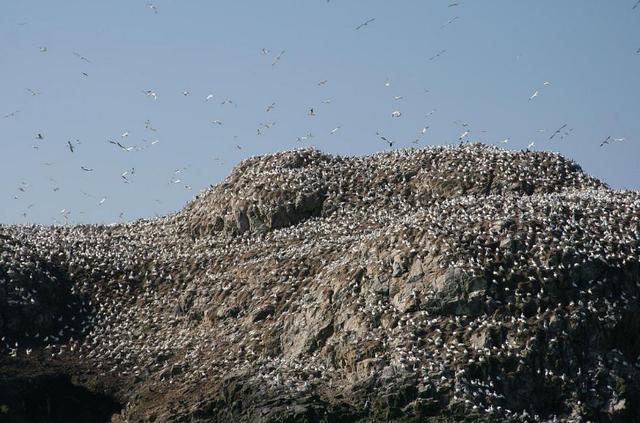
{"x": 440, "y": 284}
{"x": 280, "y": 190}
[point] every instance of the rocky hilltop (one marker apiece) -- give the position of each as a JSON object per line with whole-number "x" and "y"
{"x": 444, "y": 284}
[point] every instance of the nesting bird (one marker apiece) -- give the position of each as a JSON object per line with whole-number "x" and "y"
{"x": 453, "y": 271}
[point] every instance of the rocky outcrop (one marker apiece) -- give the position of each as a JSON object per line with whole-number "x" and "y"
{"x": 283, "y": 189}
{"x": 446, "y": 284}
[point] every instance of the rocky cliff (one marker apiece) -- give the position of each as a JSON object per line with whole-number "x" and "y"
{"x": 437, "y": 284}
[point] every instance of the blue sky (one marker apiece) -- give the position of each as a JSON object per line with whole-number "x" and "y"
{"x": 497, "y": 54}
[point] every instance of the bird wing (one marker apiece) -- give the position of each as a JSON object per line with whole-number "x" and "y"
{"x": 365, "y": 23}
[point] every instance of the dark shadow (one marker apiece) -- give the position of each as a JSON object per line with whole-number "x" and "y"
{"x": 52, "y": 399}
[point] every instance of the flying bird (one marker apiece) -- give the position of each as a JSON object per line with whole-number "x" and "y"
{"x": 635, "y": 6}
{"x": 365, "y": 23}
{"x": 323, "y": 82}
{"x": 209, "y": 97}
{"x": 450, "y": 21}
{"x": 152, "y": 7}
{"x": 81, "y": 57}
{"x": 334, "y": 130}
{"x": 311, "y": 112}
{"x": 33, "y": 92}
{"x": 12, "y": 114}
{"x": 70, "y": 146}
{"x": 151, "y": 93}
{"x": 383, "y": 138}
{"x": 86, "y": 169}
{"x": 120, "y": 145}
{"x": 270, "y": 107}
{"x": 147, "y": 125}
{"x": 435, "y": 56}
{"x": 608, "y": 140}
{"x": 268, "y": 125}
{"x": 39, "y": 136}
{"x": 396, "y": 113}
{"x": 558, "y": 131}
{"x": 277, "y": 59}
{"x": 534, "y": 95}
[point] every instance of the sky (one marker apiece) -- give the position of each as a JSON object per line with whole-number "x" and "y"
{"x": 184, "y": 88}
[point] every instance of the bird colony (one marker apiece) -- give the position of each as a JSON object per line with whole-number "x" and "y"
{"x": 440, "y": 283}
